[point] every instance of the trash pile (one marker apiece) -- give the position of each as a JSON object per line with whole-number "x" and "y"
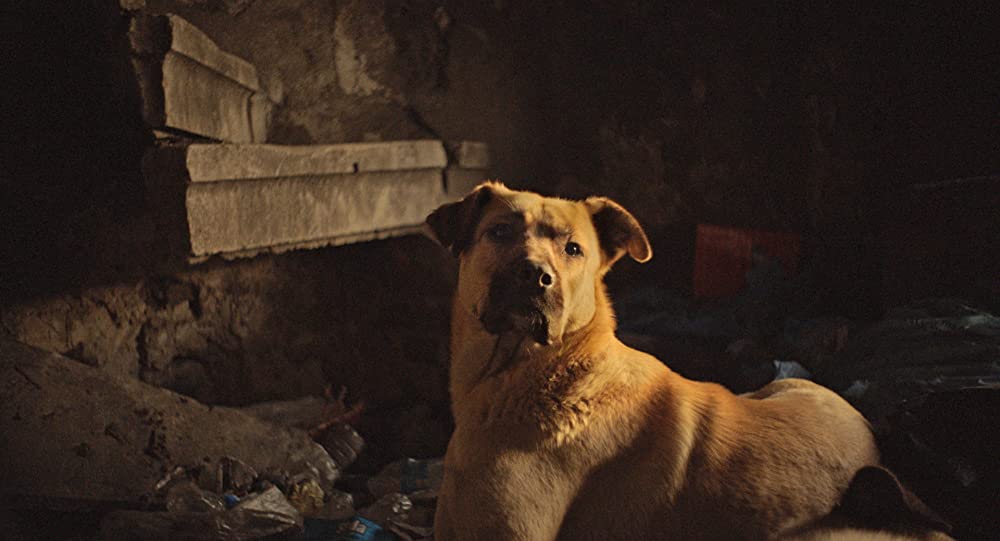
{"x": 137, "y": 462}
{"x": 229, "y": 499}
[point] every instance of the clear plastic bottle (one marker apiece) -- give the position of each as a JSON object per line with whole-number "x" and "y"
{"x": 343, "y": 443}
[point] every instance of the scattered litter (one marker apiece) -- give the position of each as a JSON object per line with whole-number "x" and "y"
{"x": 270, "y": 504}
{"x": 790, "y": 369}
{"x": 263, "y": 516}
{"x": 390, "y": 507}
{"x": 307, "y": 496}
{"x": 186, "y": 496}
{"x": 343, "y": 443}
{"x": 354, "y": 529}
{"x": 339, "y": 506}
{"x": 231, "y": 500}
{"x": 237, "y": 476}
{"x": 408, "y": 475}
{"x": 856, "y": 390}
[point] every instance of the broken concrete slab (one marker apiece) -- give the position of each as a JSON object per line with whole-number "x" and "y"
{"x": 188, "y": 83}
{"x": 239, "y": 200}
{"x": 76, "y": 438}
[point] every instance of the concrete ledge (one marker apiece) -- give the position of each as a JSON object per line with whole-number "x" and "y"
{"x": 211, "y": 163}
{"x": 189, "y": 84}
{"x": 241, "y": 200}
{"x": 238, "y": 216}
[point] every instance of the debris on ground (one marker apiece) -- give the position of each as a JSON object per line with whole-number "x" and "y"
{"x": 927, "y": 375}
{"x": 76, "y": 437}
{"x": 159, "y": 465}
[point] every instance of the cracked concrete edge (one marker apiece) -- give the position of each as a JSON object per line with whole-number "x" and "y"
{"x": 210, "y": 163}
{"x": 155, "y": 35}
{"x": 337, "y": 240}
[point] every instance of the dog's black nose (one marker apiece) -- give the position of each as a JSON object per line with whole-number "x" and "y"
{"x": 532, "y": 275}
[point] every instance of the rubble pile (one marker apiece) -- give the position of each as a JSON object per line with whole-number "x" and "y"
{"x": 155, "y": 465}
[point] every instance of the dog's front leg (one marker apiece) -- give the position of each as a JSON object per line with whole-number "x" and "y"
{"x": 516, "y": 498}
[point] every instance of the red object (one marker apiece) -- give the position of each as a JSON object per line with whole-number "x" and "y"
{"x": 722, "y": 257}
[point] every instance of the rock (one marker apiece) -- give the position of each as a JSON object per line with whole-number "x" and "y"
{"x": 74, "y": 437}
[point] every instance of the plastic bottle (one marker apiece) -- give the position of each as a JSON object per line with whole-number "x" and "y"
{"x": 343, "y": 443}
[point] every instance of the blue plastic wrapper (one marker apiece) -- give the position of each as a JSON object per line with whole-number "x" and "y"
{"x": 231, "y": 500}
{"x": 353, "y": 529}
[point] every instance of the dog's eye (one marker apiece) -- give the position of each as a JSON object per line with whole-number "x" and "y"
{"x": 573, "y": 249}
{"x": 500, "y": 231}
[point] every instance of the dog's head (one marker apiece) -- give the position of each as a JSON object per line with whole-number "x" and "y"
{"x": 531, "y": 264}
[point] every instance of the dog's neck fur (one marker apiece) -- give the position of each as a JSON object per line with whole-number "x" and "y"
{"x": 521, "y": 370}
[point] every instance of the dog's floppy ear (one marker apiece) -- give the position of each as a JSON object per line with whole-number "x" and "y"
{"x": 452, "y": 225}
{"x": 618, "y": 231}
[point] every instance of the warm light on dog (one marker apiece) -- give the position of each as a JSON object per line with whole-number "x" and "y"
{"x": 564, "y": 432}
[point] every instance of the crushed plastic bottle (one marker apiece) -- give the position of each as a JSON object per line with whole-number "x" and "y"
{"x": 343, "y": 443}
{"x": 338, "y": 506}
{"x": 314, "y": 461}
{"x": 270, "y": 504}
{"x": 186, "y": 496}
{"x": 266, "y": 515}
{"x": 388, "y": 508}
{"x": 408, "y": 475}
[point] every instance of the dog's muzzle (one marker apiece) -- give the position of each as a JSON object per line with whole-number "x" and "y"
{"x": 521, "y": 297}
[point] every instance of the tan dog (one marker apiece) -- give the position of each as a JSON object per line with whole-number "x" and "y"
{"x": 564, "y": 432}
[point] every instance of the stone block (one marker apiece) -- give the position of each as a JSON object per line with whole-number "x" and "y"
{"x": 238, "y": 200}
{"x": 188, "y": 84}
{"x": 77, "y": 438}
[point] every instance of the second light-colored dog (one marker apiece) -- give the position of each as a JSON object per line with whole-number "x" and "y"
{"x": 564, "y": 432}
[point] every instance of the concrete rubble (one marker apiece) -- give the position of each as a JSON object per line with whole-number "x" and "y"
{"x": 76, "y": 438}
{"x": 187, "y": 83}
